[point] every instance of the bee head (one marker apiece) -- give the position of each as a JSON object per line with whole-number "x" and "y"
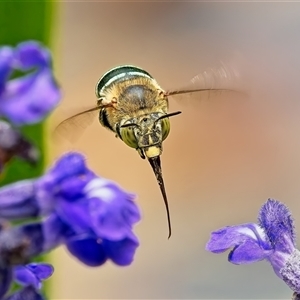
{"x": 146, "y": 133}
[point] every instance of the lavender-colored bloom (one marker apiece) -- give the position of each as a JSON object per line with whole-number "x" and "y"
{"x": 91, "y": 215}
{"x": 18, "y": 245}
{"x": 27, "y": 293}
{"x": 32, "y": 274}
{"x": 273, "y": 239}
{"x": 27, "y": 99}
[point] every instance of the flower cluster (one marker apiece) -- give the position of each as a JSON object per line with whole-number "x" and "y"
{"x": 29, "y": 276}
{"x": 91, "y": 215}
{"x": 272, "y": 239}
{"x": 68, "y": 205}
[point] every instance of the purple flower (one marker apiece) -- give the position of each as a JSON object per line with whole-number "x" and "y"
{"x": 91, "y": 215}
{"x": 18, "y": 245}
{"x": 273, "y": 239}
{"x": 30, "y": 276}
{"x": 27, "y": 99}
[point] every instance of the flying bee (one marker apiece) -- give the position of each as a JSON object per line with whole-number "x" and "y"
{"x": 133, "y": 106}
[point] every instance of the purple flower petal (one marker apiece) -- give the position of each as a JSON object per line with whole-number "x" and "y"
{"x": 54, "y": 232}
{"x": 248, "y": 252}
{"x": 18, "y": 200}
{"x": 122, "y": 252}
{"x": 41, "y": 270}
{"x": 112, "y": 210}
{"x": 232, "y": 236}
{"x": 6, "y": 60}
{"x": 277, "y": 222}
{"x": 88, "y": 250}
{"x": 25, "y": 277}
{"x": 68, "y": 165}
{"x": 33, "y": 274}
{"x": 75, "y": 215}
{"x": 54, "y": 184}
{"x": 72, "y": 188}
{"x": 31, "y": 54}
{"x": 94, "y": 252}
{"x": 30, "y": 98}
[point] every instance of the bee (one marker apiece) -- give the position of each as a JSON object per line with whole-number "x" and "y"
{"x": 132, "y": 105}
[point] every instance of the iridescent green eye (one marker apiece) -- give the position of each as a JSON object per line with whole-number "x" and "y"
{"x": 128, "y": 136}
{"x": 165, "y": 127}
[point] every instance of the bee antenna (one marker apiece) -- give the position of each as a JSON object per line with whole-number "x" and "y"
{"x": 128, "y": 125}
{"x": 169, "y": 115}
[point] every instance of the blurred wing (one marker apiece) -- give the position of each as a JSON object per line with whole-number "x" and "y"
{"x": 74, "y": 126}
{"x": 195, "y": 97}
{"x": 212, "y": 83}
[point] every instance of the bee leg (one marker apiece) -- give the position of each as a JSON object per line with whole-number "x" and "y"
{"x": 141, "y": 153}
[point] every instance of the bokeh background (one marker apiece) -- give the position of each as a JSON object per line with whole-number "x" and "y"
{"x": 224, "y": 157}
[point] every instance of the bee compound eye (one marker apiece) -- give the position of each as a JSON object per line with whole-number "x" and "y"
{"x": 165, "y": 128}
{"x": 128, "y": 137}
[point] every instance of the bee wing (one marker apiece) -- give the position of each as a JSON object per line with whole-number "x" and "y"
{"x": 213, "y": 82}
{"x": 72, "y": 127}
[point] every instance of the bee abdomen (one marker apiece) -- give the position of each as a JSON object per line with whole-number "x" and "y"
{"x": 118, "y": 73}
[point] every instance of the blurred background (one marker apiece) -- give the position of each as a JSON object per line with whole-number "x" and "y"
{"x": 224, "y": 157}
